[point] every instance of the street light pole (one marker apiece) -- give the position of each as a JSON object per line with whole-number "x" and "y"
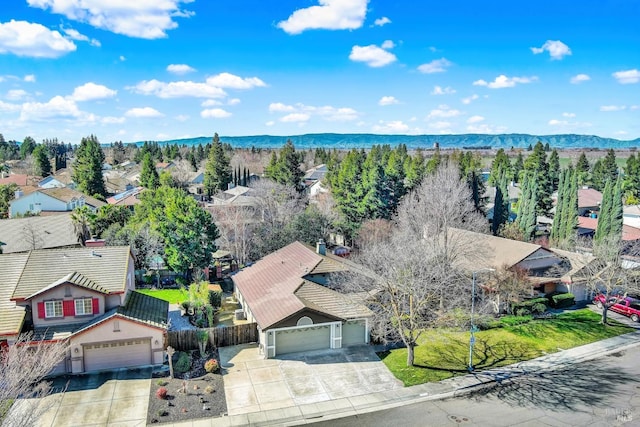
{"x": 472, "y": 330}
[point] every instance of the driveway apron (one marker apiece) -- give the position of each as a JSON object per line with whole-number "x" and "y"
{"x": 254, "y": 384}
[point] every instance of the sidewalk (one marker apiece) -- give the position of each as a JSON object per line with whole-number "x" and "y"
{"x": 453, "y": 387}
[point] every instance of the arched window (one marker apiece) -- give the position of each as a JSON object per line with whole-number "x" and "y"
{"x": 304, "y": 321}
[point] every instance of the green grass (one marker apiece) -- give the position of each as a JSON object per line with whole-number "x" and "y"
{"x": 173, "y": 296}
{"x": 442, "y": 354}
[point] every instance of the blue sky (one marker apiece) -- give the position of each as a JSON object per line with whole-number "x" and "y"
{"x": 135, "y": 70}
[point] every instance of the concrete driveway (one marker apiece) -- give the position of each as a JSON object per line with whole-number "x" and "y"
{"x": 253, "y": 384}
{"x": 115, "y": 398}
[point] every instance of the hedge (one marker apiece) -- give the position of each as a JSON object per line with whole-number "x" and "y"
{"x": 562, "y": 300}
{"x": 532, "y": 306}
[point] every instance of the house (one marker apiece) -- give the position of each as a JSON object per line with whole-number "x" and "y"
{"x": 196, "y": 182}
{"x": 284, "y": 294}
{"x": 130, "y": 197}
{"x": 46, "y": 200}
{"x": 587, "y": 228}
{"x": 589, "y": 200}
{"x": 163, "y": 166}
{"x": 86, "y": 297}
{"x": 631, "y": 215}
{"x": 38, "y": 232}
{"x": 51, "y": 182}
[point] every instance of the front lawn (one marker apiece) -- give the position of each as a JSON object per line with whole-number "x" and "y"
{"x": 443, "y": 354}
{"x": 173, "y": 296}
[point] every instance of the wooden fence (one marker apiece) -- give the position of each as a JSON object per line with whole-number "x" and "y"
{"x": 221, "y": 336}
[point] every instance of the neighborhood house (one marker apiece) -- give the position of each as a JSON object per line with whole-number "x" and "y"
{"x": 85, "y": 296}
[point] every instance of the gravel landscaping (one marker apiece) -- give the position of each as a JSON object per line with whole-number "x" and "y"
{"x": 195, "y": 394}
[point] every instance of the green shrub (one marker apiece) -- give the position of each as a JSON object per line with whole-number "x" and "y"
{"x": 538, "y": 308}
{"x": 563, "y": 300}
{"x": 215, "y": 298}
{"x": 161, "y": 382}
{"x": 516, "y": 320}
{"x": 183, "y": 364}
{"x": 525, "y": 308}
{"x": 487, "y": 322}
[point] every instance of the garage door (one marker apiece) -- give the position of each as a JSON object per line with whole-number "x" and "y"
{"x": 303, "y": 339}
{"x": 119, "y": 354}
{"x": 353, "y": 333}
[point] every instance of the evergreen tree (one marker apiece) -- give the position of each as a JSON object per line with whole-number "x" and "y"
{"x": 536, "y": 165}
{"x": 571, "y": 211}
{"x": 500, "y": 167}
{"x": 415, "y": 170}
{"x": 559, "y": 227}
{"x": 604, "y": 216}
{"x": 582, "y": 169}
{"x": 285, "y": 167}
{"x": 500, "y": 207}
{"x": 616, "y": 210}
{"x": 631, "y": 181}
{"x": 518, "y": 167}
{"x": 527, "y": 219}
{"x": 554, "y": 169}
{"x": 27, "y": 147}
{"x": 217, "y": 172}
{"x": 87, "y": 168}
{"x": 41, "y": 160}
{"x": 149, "y": 175}
{"x": 609, "y": 165}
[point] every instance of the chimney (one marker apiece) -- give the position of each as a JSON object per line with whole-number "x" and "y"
{"x": 19, "y": 194}
{"x": 321, "y": 247}
{"x": 94, "y": 243}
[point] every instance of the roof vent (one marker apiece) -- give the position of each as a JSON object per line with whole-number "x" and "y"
{"x": 93, "y": 253}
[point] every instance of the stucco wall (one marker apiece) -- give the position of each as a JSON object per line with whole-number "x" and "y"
{"x": 60, "y": 293}
{"x": 36, "y": 202}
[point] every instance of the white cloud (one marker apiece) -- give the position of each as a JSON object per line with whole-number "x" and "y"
{"x": 443, "y": 111}
{"x": 470, "y": 99}
{"x": 147, "y": 19}
{"x": 29, "y": 78}
{"x": 233, "y": 101}
{"x": 90, "y": 91}
{"x": 24, "y": 38}
{"x": 214, "y": 113}
{"x": 388, "y": 44}
{"x": 435, "y": 66}
{"x": 372, "y": 55}
{"x": 295, "y": 118}
{"x": 122, "y": 58}
{"x": 230, "y": 81}
{"x": 327, "y": 112}
{"x": 613, "y": 107}
{"x": 182, "y": 117}
{"x": 441, "y": 126}
{"x": 393, "y": 126}
{"x": 568, "y": 125}
{"x": 382, "y": 21}
{"x": 569, "y": 115}
{"x": 388, "y": 100}
{"x": 180, "y": 69}
{"x": 627, "y": 77}
{"x": 144, "y": 112}
{"x": 634, "y": 107}
{"x": 8, "y": 108}
{"x": 579, "y": 78}
{"x": 110, "y": 120}
{"x": 178, "y": 89}
{"x": 270, "y": 123}
{"x": 503, "y": 81}
{"x": 437, "y": 90}
{"x": 475, "y": 119}
{"x": 485, "y": 128}
{"x": 329, "y": 15}
{"x": 16, "y": 94}
{"x": 556, "y": 49}
{"x": 75, "y": 35}
{"x": 210, "y": 103}
{"x": 57, "y": 108}
{"x": 278, "y": 107}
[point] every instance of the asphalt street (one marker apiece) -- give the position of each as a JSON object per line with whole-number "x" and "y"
{"x": 602, "y": 392}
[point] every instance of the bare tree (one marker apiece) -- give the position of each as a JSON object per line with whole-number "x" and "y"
{"x": 505, "y": 287}
{"x": 613, "y": 273}
{"x": 32, "y": 235}
{"x": 23, "y": 390}
{"x": 417, "y": 275}
{"x": 235, "y": 224}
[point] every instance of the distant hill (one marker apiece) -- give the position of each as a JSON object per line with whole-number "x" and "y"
{"x": 361, "y": 140}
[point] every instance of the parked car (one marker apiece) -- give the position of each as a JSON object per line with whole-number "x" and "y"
{"x": 626, "y": 305}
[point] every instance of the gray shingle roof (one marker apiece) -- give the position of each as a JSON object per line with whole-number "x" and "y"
{"x": 38, "y": 232}
{"x": 74, "y": 278}
{"x": 106, "y": 267}
{"x": 11, "y": 316}
{"x": 331, "y": 302}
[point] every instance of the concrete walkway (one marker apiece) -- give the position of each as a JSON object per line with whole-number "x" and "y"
{"x": 453, "y": 387}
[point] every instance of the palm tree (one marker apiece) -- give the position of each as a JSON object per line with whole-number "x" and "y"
{"x": 82, "y": 218}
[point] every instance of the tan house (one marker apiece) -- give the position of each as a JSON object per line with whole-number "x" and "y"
{"x": 284, "y": 294}
{"x": 86, "y": 297}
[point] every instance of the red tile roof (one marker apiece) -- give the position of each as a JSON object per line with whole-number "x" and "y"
{"x": 18, "y": 179}
{"x": 628, "y": 232}
{"x": 588, "y": 197}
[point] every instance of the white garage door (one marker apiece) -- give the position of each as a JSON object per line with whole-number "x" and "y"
{"x": 119, "y": 354}
{"x": 303, "y": 339}
{"x": 353, "y": 333}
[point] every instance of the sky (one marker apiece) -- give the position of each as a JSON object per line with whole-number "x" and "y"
{"x": 133, "y": 70}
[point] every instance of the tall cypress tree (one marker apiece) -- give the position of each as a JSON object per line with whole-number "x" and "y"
{"x": 604, "y": 217}
{"x": 616, "y": 210}
{"x": 527, "y": 218}
{"x": 582, "y": 168}
{"x": 558, "y": 228}
{"x": 571, "y": 210}
{"x": 87, "y": 168}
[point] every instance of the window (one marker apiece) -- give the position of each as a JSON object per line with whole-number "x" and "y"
{"x": 84, "y": 306}
{"x": 304, "y": 321}
{"x": 52, "y": 309}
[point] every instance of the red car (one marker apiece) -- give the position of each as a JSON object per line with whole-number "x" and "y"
{"x": 628, "y": 306}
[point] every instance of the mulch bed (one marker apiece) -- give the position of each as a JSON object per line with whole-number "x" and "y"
{"x": 195, "y": 394}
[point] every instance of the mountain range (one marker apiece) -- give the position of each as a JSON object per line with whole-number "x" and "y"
{"x": 361, "y": 140}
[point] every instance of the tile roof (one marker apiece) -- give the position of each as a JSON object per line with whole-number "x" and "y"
{"x": 126, "y": 198}
{"x": 328, "y": 301}
{"x": 11, "y": 316}
{"x": 628, "y": 232}
{"x": 15, "y": 178}
{"x": 66, "y": 194}
{"x": 269, "y": 287}
{"x": 41, "y": 232}
{"x": 588, "y": 197}
{"x": 106, "y": 267}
